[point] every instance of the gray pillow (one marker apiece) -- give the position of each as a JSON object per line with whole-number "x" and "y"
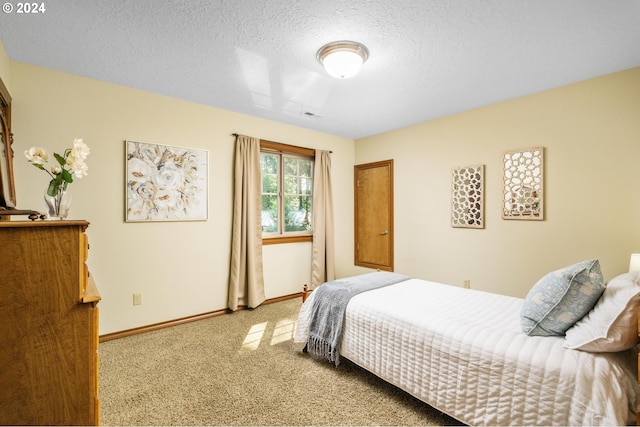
{"x": 561, "y": 298}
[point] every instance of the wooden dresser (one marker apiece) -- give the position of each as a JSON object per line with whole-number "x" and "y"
{"x": 48, "y": 325}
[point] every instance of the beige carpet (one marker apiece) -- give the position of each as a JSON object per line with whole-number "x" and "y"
{"x": 240, "y": 369}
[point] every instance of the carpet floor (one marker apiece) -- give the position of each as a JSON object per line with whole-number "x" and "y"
{"x": 241, "y": 369}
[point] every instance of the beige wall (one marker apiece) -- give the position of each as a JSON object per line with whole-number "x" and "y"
{"x": 591, "y": 131}
{"x": 181, "y": 268}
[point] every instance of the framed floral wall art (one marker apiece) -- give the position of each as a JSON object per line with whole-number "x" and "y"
{"x": 165, "y": 183}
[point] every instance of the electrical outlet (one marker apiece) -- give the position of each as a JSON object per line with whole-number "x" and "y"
{"x": 467, "y": 283}
{"x": 137, "y": 299}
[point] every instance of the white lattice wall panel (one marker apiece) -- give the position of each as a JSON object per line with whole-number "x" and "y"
{"x": 523, "y": 184}
{"x": 467, "y": 197}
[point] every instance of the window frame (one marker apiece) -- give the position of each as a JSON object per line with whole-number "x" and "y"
{"x": 285, "y": 149}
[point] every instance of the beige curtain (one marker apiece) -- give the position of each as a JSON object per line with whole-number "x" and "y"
{"x": 246, "y": 281}
{"x": 323, "y": 263}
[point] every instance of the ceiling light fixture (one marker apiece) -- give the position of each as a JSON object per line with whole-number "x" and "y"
{"x": 342, "y": 59}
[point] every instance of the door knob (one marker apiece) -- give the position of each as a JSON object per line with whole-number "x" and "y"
{"x": 384, "y": 233}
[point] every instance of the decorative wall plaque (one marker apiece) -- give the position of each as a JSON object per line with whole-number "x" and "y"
{"x": 523, "y": 184}
{"x": 467, "y": 197}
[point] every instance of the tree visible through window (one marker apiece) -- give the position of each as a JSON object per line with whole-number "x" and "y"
{"x": 297, "y": 194}
{"x": 287, "y": 183}
{"x": 269, "y": 166}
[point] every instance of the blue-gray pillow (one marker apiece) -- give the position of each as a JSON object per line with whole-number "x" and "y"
{"x": 561, "y": 298}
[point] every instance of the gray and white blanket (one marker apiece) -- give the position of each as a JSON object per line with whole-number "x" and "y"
{"x": 329, "y": 305}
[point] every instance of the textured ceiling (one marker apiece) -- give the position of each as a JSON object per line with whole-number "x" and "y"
{"x": 428, "y": 58}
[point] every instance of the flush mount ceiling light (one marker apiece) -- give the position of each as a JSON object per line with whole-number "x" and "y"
{"x": 342, "y": 59}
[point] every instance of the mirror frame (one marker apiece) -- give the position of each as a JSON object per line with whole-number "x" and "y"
{"x": 7, "y": 179}
{"x": 467, "y": 197}
{"x": 523, "y": 184}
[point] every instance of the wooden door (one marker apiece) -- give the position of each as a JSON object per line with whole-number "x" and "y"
{"x": 374, "y": 215}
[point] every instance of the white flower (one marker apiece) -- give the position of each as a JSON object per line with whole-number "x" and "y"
{"x": 76, "y": 163}
{"x": 71, "y": 164}
{"x": 166, "y": 198}
{"x": 80, "y": 150}
{"x": 77, "y": 167}
{"x": 138, "y": 170}
{"x": 37, "y": 155}
{"x": 146, "y": 191}
{"x": 148, "y": 153}
{"x": 169, "y": 176}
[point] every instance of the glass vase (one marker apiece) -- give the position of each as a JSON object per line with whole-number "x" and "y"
{"x": 58, "y": 205}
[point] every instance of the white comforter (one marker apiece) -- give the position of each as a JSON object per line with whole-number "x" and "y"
{"x": 463, "y": 352}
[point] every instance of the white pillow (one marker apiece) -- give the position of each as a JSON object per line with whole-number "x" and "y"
{"x": 612, "y": 324}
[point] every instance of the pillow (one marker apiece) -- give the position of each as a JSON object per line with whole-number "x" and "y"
{"x": 561, "y": 298}
{"x": 612, "y": 325}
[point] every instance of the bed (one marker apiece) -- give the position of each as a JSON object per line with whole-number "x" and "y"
{"x": 464, "y": 352}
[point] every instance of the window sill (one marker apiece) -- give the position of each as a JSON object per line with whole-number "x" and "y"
{"x": 286, "y": 239}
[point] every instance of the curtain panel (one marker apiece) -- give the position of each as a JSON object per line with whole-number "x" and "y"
{"x": 246, "y": 279}
{"x": 323, "y": 258}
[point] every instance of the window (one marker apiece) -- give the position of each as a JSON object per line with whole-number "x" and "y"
{"x": 287, "y": 197}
